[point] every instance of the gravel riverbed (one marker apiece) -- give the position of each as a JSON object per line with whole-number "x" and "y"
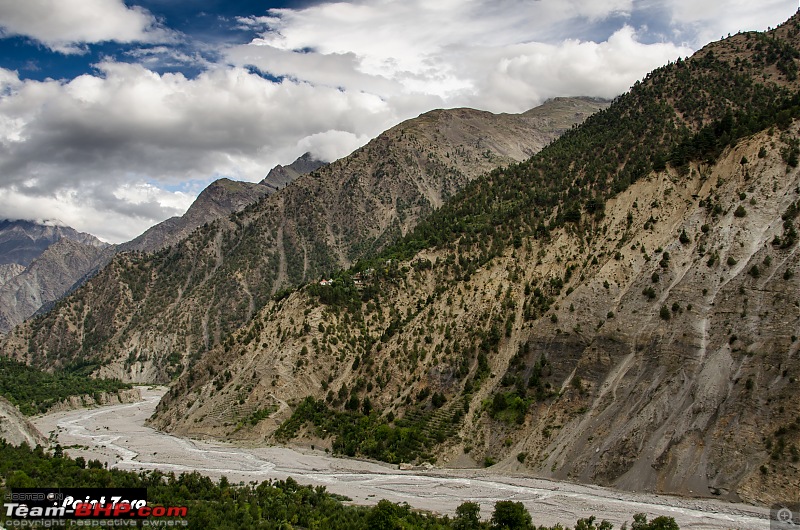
{"x": 116, "y": 434}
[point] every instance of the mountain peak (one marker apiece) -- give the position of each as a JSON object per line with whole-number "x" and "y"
{"x": 22, "y": 241}
{"x": 280, "y": 176}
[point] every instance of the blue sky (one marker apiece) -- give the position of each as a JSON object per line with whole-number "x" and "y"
{"x": 115, "y": 114}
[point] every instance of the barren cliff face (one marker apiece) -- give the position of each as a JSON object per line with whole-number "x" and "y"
{"x": 620, "y": 309}
{"x": 665, "y": 360}
{"x": 146, "y": 318}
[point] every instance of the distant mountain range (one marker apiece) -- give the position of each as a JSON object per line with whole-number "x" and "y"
{"x": 40, "y": 263}
{"x": 23, "y": 241}
{"x": 166, "y": 309}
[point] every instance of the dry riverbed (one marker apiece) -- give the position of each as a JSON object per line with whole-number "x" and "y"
{"x": 116, "y": 434}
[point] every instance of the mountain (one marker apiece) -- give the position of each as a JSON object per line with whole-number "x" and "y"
{"x": 16, "y": 429}
{"x": 146, "y": 317}
{"x": 220, "y": 199}
{"x": 9, "y": 271}
{"x": 280, "y": 176}
{"x": 23, "y": 241}
{"x": 45, "y": 279}
{"x": 38, "y": 264}
{"x": 47, "y": 262}
{"x": 620, "y": 309}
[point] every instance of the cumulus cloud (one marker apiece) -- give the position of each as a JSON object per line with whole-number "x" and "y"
{"x": 701, "y": 22}
{"x": 522, "y": 76}
{"x": 500, "y": 56}
{"x": 65, "y": 25}
{"x": 110, "y": 152}
{"x": 94, "y": 143}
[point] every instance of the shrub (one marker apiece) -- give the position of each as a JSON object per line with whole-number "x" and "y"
{"x": 511, "y": 515}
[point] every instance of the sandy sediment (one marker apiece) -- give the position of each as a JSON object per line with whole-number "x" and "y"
{"x": 117, "y": 435}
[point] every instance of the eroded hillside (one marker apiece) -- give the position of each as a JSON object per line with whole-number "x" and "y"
{"x": 657, "y": 355}
{"x": 146, "y": 317}
{"x": 620, "y": 309}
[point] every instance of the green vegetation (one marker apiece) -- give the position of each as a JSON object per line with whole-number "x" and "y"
{"x": 509, "y": 407}
{"x": 34, "y": 391}
{"x": 567, "y": 183}
{"x": 369, "y": 434}
{"x": 269, "y": 505}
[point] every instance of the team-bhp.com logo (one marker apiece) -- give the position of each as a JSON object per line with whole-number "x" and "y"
{"x": 28, "y": 504}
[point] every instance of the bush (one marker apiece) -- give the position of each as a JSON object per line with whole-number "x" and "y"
{"x": 664, "y": 313}
{"x": 468, "y": 516}
{"x": 510, "y": 515}
{"x": 659, "y": 523}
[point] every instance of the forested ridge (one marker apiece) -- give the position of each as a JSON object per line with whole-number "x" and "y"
{"x": 687, "y": 111}
{"x": 34, "y": 391}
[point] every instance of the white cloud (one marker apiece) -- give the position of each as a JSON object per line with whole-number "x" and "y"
{"x": 712, "y": 20}
{"x": 64, "y": 25}
{"x": 93, "y": 143}
{"x": 519, "y": 77}
{"x": 103, "y": 152}
{"x": 697, "y": 23}
{"x": 500, "y": 56}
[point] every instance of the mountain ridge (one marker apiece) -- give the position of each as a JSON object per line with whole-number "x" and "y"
{"x": 280, "y": 176}
{"x": 58, "y": 270}
{"x": 167, "y": 309}
{"x": 619, "y": 309}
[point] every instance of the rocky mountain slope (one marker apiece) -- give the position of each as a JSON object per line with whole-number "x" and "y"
{"x": 620, "y": 309}
{"x": 45, "y": 279}
{"x": 23, "y": 241}
{"x": 145, "y": 318}
{"x": 281, "y": 176}
{"x": 9, "y": 271}
{"x": 220, "y": 199}
{"x": 39, "y": 264}
{"x": 16, "y": 429}
{"x": 68, "y": 258}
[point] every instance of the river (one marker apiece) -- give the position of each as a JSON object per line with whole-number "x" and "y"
{"x": 117, "y": 435}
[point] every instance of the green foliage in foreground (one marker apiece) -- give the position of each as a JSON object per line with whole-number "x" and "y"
{"x": 34, "y": 391}
{"x": 360, "y": 434}
{"x": 282, "y": 504}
